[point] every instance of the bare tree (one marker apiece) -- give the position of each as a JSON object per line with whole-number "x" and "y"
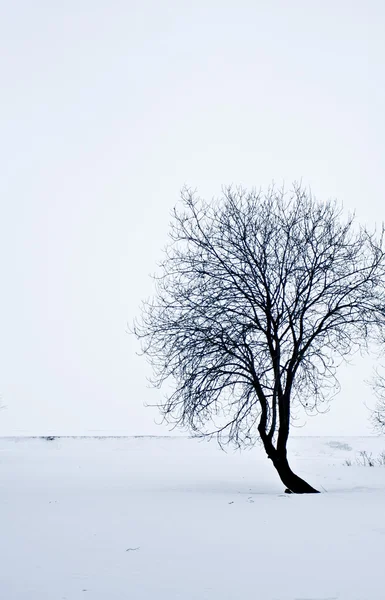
{"x": 258, "y": 299}
{"x": 378, "y": 414}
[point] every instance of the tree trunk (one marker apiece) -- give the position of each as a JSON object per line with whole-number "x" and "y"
{"x": 294, "y": 484}
{"x": 278, "y": 456}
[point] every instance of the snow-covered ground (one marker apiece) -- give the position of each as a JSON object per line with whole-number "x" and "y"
{"x": 174, "y": 518}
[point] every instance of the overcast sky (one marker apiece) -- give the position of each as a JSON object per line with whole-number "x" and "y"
{"x": 107, "y": 109}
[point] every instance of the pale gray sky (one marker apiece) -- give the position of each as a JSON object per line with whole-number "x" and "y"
{"x": 107, "y": 109}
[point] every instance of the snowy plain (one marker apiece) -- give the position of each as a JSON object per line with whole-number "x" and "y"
{"x": 167, "y": 518}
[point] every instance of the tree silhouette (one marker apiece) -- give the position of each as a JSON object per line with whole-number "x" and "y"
{"x": 259, "y": 297}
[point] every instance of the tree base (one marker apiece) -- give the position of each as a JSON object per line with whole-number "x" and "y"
{"x": 293, "y": 483}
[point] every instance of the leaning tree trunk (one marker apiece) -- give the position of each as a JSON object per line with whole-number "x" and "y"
{"x": 278, "y": 456}
{"x": 293, "y": 483}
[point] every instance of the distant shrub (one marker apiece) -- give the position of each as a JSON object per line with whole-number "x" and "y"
{"x": 365, "y": 459}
